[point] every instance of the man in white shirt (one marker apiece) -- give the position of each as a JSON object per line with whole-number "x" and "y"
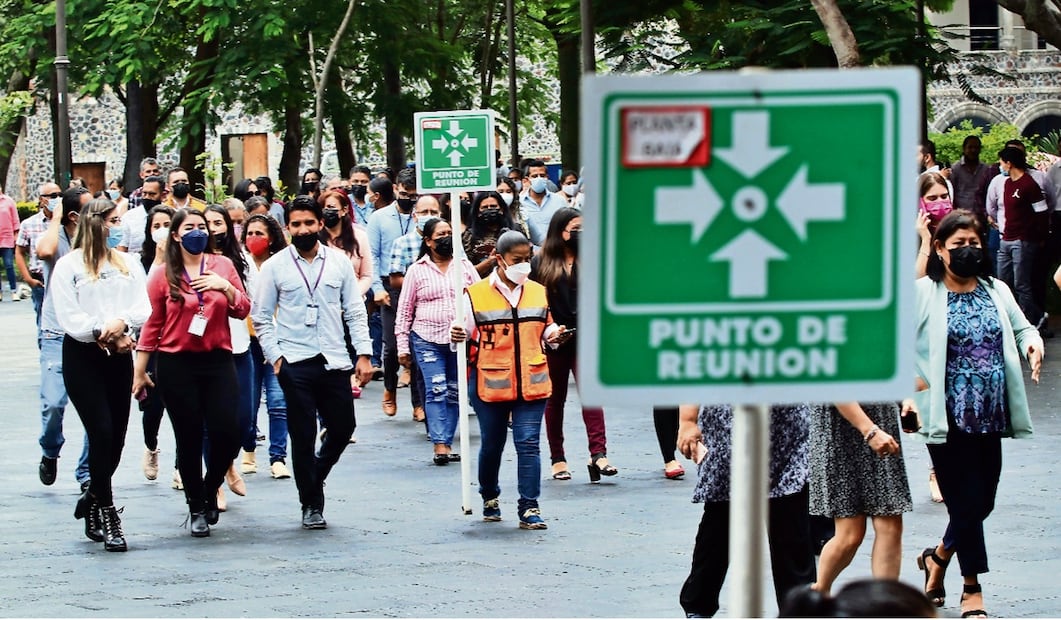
{"x": 135, "y": 219}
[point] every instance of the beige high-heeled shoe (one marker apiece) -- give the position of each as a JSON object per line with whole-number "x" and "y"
{"x": 235, "y": 481}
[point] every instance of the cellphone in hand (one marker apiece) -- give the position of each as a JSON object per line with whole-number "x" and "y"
{"x": 910, "y": 422}
{"x": 142, "y": 394}
{"x": 701, "y": 452}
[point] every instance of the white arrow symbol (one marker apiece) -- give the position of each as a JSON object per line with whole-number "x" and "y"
{"x": 469, "y": 142}
{"x": 697, "y": 205}
{"x": 801, "y": 202}
{"x": 454, "y": 128}
{"x": 439, "y": 144}
{"x": 750, "y": 152}
{"x": 748, "y": 255}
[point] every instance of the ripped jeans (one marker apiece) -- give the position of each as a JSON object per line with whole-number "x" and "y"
{"x": 438, "y": 376}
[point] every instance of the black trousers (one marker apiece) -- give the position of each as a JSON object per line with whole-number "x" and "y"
{"x": 665, "y": 419}
{"x": 968, "y": 467}
{"x": 99, "y": 386}
{"x": 311, "y": 390}
{"x": 200, "y": 391}
{"x": 791, "y": 553}
{"x": 152, "y": 407}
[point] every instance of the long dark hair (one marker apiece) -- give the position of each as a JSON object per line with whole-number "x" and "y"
{"x": 347, "y": 239}
{"x": 477, "y": 229}
{"x": 429, "y": 229}
{"x": 552, "y": 258}
{"x": 147, "y": 250}
{"x": 174, "y": 259}
{"x": 230, "y": 249}
{"x": 277, "y": 241}
{"x": 242, "y": 189}
{"x": 958, "y": 219}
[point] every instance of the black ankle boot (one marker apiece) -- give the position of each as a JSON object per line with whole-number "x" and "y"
{"x": 88, "y": 509}
{"x": 113, "y": 537}
{"x": 213, "y": 514}
{"x": 198, "y": 523}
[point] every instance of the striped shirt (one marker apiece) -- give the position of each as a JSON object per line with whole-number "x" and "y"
{"x": 426, "y": 305}
{"x": 32, "y": 229}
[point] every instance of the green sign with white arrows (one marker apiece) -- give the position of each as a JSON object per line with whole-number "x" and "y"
{"x": 455, "y": 151}
{"x": 748, "y": 237}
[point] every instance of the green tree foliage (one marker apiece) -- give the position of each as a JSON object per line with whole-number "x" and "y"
{"x": 949, "y": 143}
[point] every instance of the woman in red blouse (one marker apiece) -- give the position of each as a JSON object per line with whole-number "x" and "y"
{"x": 191, "y": 301}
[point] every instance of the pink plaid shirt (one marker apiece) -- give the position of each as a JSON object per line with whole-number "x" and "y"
{"x": 426, "y": 305}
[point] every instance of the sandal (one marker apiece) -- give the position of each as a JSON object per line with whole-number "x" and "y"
{"x": 972, "y": 589}
{"x": 933, "y": 488}
{"x": 673, "y": 470}
{"x": 596, "y": 470}
{"x": 936, "y": 595}
{"x": 560, "y": 471}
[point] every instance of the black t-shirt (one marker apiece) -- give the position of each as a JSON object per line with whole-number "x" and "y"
{"x": 563, "y": 295}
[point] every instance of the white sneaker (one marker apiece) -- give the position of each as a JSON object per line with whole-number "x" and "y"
{"x": 151, "y": 463}
{"x": 279, "y": 470}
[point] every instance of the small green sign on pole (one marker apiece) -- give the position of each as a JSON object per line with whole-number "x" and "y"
{"x": 455, "y": 151}
{"x": 748, "y": 237}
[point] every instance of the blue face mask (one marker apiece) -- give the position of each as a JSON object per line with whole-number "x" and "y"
{"x": 114, "y": 237}
{"x": 538, "y": 185}
{"x": 194, "y": 241}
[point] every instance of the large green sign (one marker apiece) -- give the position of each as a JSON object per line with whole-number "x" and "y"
{"x": 748, "y": 238}
{"x": 455, "y": 151}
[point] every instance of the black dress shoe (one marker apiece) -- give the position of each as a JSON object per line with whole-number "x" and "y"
{"x": 113, "y": 536}
{"x": 212, "y": 512}
{"x": 199, "y": 526}
{"x": 313, "y": 518}
{"x": 47, "y": 470}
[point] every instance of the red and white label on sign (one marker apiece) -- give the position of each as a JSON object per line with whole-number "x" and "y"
{"x": 431, "y": 123}
{"x": 666, "y": 136}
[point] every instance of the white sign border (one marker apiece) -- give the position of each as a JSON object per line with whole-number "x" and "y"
{"x": 418, "y": 146}
{"x": 904, "y": 82}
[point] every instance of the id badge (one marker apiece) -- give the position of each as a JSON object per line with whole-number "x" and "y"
{"x": 198, "y": 325}
{"x": 311, "y": 315}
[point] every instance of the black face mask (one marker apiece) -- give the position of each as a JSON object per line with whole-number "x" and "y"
{"x": 309, "y": 188}
{"x": 304, "y": 242}
{"x": 405, "y": 205}
{"x": 149, "y": 203}
{"x": 220, "y": 239}
{"x": 466, "y": 204}
{"x": 965, "y": 261}
{"x": 491, "y": 216}
{"x": 331, "y": 217}
{"x": 358, "y": 192}
{"x": 572, "y": 243}
{"x": 181, "y": 190}
{"x": 444, "y": 247}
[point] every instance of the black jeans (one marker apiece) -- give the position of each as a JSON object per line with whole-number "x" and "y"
{"x": 200, "y": 391}
{"x": 665, "y": 419}
{"x": 152, "y": 407}
{"x": 967, "y": 469}
{"x": 98, "y": 385}
{"x": 311, "y": 390}
{"x": 791, "y": 553}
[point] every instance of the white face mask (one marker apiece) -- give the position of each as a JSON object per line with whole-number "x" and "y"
{"x": 539, "y": 185}
{"x": 54, "y": 204}
{"x": 571, "y": 189}
{"x": 519, "y": 273}
{"x": 507, "y": 198}
{"x": 159, "y": 235}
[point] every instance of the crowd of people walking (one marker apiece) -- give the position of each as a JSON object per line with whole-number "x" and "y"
{"x": 202, "y": 312}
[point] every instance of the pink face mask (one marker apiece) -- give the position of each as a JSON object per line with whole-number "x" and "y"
{"x": 936, "y": 210}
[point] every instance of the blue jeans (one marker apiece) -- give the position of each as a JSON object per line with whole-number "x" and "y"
{"x": 993, "y": 241}
{"x": 53, "y": 404}
{"x": 8, "y": 256}
{"x": 264, "y": 378}
{"x": 375, "y": 331}
{"x": 438, "y": 380}
{"x": 1016, "y": 263}
{"x": 526, "y": 435}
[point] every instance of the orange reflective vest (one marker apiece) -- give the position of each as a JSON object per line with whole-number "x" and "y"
{"x": 508, "y": 354}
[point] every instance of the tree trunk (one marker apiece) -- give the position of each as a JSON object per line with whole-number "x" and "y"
{"x": 344, "y": 148}
{"x": 322, "y": 82}
{"x": 196, "y": 102}
{"x": 289, "y": 174}
{"x": 568, "y": 64}
{"x": 9, "y": 135}
{"x": 839, "y": 31}
{"x": 395, "y": 141}
{"x": 141, "y": 129}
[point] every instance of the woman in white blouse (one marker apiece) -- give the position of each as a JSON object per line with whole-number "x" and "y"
{"x": 100, "y": 297}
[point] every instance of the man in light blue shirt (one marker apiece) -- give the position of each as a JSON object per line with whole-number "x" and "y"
{"x": 386, "y": 225}
{"x": 312, "y": 291}
{"x": 539, "y": 204}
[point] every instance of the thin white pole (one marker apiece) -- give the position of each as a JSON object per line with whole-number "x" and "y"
{"x": 749, "y": 480}
{"x": 456, "y": 271}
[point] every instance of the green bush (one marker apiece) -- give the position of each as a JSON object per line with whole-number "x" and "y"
{"x": 949, "y": 143}
{"x": 26, "y": 209}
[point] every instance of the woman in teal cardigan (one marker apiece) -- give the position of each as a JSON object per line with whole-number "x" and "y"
{"x": 970, "y": 390}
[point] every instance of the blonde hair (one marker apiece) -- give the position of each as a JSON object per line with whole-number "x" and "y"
{"x": 92, "y": 237}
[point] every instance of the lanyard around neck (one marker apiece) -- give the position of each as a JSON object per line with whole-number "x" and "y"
{"x": 188, "y": 278}
{"x": 311, "y": 289}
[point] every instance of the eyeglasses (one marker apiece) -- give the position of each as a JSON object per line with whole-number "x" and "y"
{"x": 52, "y": 195}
